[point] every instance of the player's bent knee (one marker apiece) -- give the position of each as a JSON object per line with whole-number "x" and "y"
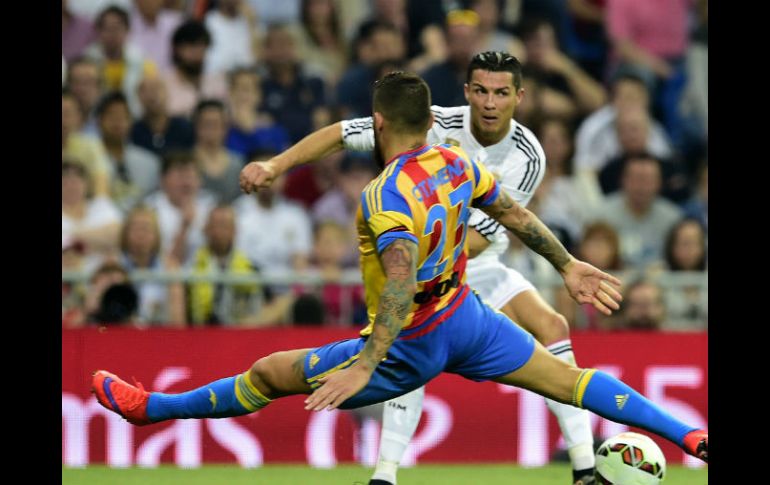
{"x": 263, "y": 377}
{"x": 556, "y": 328}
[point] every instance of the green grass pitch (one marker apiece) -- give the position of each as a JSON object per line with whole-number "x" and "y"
{"x": 557, "y": 474}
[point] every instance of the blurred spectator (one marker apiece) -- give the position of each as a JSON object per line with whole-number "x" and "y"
{"x": 554, "y": 12}
{"x": 181, "y": 205}
{"x": 270, "y": 12}
{"x": 698, "y": 206}
{"x": 339, "y": 204}
{"x": 77, "y": 32}
{"x": 322, "y": 45}
{"x": 652, "y": 35}
{"x": 641, "y": 217}
{"x": 220, "y": 303}
{"x": 492, "y": 37}
{"x": 188, "y": 80}
{"x": 558, "y": 201}
{"x": 105, "y": 276}
{"x": 694, "y": 108}
{"x": 85, "y": 83}
{"x": 686, "y": 247}
{"x": 415, "y": 19}
{"x": 119, "y": 305}
{"x": 307, "y": 309}
{"x": 447, "y": 79}
{"x": 250, "y": 129}
{"x": 233, "y": 30}
{"x": 307, "y": 184}
{"x": 600, "y": 246}
{"x": 274, "y": 233}
{"x": 123, "y": 64}
{"x": 152, "y": 26}
{"x": 556, "y": 71}
{"x": 91, "y": 8}
{"x": 633, "y": 131}
{"x": 134, "y": 171}
{"x": 377, "y": 44}
{"x": 686, "y": 251}
{"x": 220, "y": 167}
{"x": 343, "y": 304}
{"x": 597, "y": 138}
{"x": 159, "y": 303}
{"x": 296, "y": 101}
{"x": 157, "y": 130}
{"x": 91, "y": 221}
{"x": 83, "y": 149}
{"x": 643, "y": 308}
{"x": 72, "y": 293}
{"x": 586, "y": 37}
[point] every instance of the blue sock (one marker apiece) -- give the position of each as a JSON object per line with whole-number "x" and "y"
{"x": 612, "y": 399}
{"x": 231, "y": 396}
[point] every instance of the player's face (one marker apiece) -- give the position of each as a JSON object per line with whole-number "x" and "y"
{"x": 493, "y": 99}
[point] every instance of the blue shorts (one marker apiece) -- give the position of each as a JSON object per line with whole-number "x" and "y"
{"x": 475, "y": 342}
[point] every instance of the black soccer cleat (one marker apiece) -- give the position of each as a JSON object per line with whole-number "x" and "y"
{"x": 377, "y": 481}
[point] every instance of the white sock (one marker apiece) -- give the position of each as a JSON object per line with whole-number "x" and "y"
{"x": 400, "y": 417}
{"x": 574, "y": 422}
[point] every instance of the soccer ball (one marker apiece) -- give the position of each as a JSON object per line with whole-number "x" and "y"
{"x": 630, "y": 459}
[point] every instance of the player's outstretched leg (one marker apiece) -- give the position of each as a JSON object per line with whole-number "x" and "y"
{"x": 277, "y": 375}
{"x": 606, "y": 396}
{"x": 551, "y": 329}
{"x": 400, "y": 417}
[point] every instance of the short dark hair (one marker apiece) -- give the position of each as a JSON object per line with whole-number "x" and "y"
{"x": 207, "y": 104}
{"x": 115, "y": 10}
{"x": 176, "y": 158}
{"x": 404, "y": 100}
{"x": 496, "y": 61}
{"x": 191, "y": 32}
{"x": 113, "y": 97}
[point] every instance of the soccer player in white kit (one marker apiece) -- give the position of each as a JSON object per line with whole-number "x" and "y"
{"x": 487, "y": 132}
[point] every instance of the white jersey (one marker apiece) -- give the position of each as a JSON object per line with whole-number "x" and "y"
{"x": 517, "y": 163}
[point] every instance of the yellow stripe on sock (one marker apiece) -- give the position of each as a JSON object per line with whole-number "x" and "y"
{"x": 580, "y": 387}
{"x": 311, "y": 380}
{"x": 248, "y": 395}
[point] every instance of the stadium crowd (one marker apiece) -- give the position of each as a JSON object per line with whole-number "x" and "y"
{"x": 164, "y": 101}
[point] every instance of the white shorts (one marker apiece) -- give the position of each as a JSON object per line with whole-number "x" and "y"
{"x": 497, "y": 284}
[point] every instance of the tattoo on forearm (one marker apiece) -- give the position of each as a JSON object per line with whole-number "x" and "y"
{"x": 530, "y": 230}
{"x": 398, "y": 260}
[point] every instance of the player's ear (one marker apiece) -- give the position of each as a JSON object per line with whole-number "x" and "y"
{"x": 519, "y": 95}
{"x": 466, "y": 91}
{"x": 379, "y": 120}
{"x": 430, "y": 121}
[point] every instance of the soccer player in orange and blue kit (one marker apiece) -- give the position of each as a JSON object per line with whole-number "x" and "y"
{"x": 424, "y": 318}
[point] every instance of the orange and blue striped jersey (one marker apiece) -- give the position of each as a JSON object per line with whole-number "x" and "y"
{"x": 423, "y": 196}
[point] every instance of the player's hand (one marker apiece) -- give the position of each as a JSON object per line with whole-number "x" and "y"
{"x": 338, "y": 387}
{"x": 258, "y": 174}
{"x": 587, "y": 284}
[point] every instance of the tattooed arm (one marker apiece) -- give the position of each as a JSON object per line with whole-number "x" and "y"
{"x": 527, "y": 227}
{"x": 399, "y": 261}
{"x": 584, "y": 283}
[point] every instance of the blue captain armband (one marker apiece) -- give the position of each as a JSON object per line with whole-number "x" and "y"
{"x": 387, "y": 238}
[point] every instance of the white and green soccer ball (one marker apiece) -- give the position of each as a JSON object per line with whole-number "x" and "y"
{"x": 630, "y": 459}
